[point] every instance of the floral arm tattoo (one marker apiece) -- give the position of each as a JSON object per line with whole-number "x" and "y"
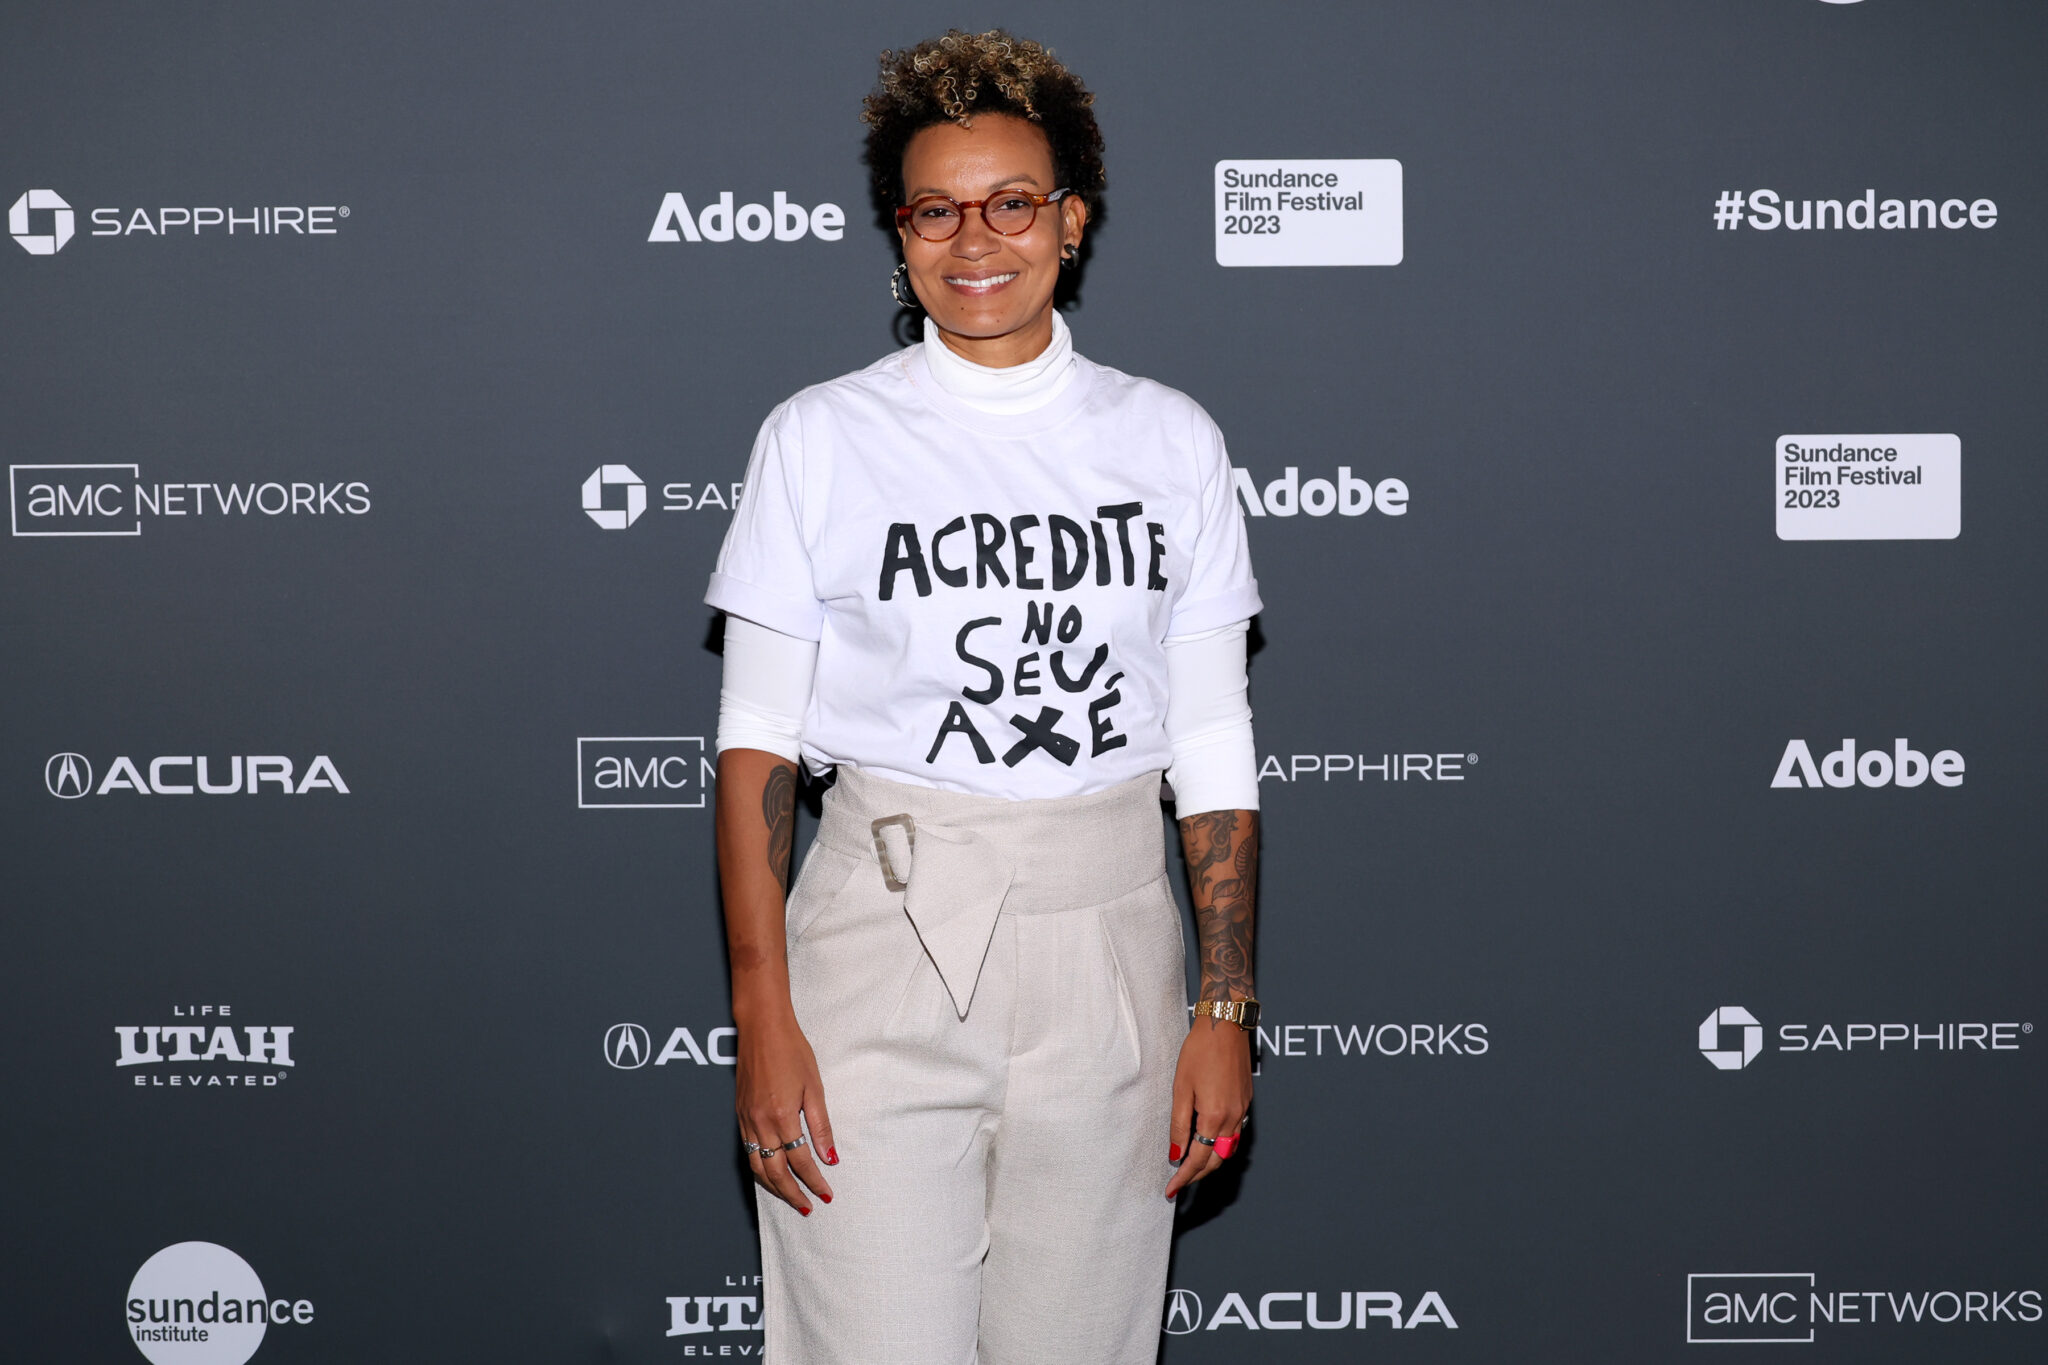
{"x": 1222, "y": 849}
{"x": 778, "y": 808}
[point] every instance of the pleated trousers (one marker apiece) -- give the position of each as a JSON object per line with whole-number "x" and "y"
{"x": 997, "y": 1043}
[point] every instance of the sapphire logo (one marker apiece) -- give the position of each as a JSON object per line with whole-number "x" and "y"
{"x": 614, "y": 518}
{"x": 68, "y": 775}
{"x": 1183, "y": 1312}
{"x": 63, "y": 222}
{"x": 625, "y": 1046}
{"x": 1712, "y": 1041}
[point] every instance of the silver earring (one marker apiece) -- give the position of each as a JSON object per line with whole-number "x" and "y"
{"x": 897, "y": 279}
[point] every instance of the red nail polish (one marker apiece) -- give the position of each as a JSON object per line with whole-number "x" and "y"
{"x": 831, "y": 1156}
{"x": 826, "y": 1197}
{"x": 805, "y": 1212}
{"x": 1173, "y": 1151}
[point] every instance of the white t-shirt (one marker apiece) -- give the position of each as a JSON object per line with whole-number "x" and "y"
{"x": 988, "y": 593}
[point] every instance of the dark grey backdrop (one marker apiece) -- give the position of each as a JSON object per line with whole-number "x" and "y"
{"x": 1577, "y": 374}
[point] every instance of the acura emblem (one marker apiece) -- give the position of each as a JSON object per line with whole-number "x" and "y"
{"x": 68, "y": 776}
{"x": 625, "y": 1046}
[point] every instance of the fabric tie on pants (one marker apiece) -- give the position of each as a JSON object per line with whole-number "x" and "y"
{"x": 954, "y": 884}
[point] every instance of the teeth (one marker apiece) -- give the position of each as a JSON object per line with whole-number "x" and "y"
{"x": 986, "y": 282}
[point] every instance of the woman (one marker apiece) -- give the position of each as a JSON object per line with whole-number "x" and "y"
{"x": 1001, "y": 590}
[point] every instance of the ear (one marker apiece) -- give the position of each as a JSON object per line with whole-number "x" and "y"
{"x": 1073, "y": 220}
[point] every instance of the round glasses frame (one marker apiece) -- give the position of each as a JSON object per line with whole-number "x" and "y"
{"x": 908, "y": 216}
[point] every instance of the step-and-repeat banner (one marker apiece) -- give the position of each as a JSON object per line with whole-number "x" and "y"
{"x": 1638, "y": 414}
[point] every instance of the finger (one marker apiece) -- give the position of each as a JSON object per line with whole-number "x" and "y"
{"x": 768, "y": 1124}
{"x": 820, "y": 1122}
{"x": 1196, "y": 1165}
{"x": 1200, "y": 1158}
{"x": 751, "y": 1148}
{"x": 805, "y": 1168}
{"x": 780, "y": 1182}
{"x": 1180, "y": 1121}
{"x": 1205, "y": 1157}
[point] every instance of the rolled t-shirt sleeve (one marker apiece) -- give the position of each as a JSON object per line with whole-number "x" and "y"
{"x": 764, "y": 567}
{"x": 1220, "y": 589}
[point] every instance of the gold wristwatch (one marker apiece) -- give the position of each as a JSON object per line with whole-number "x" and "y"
{"x": 1243, "y": 1013}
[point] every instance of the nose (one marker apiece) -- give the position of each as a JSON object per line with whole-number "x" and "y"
{"x": 976, "y": 238}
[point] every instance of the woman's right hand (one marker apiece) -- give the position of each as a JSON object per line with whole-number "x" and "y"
{"x": 778, "y": 1093}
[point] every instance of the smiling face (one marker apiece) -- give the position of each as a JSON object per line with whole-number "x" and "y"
{"x": 990, "y": 295}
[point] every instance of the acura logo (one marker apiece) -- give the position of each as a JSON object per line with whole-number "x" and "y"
{"x": 61, "y": 227}
{"x": 1731, "y": 1058}
{"x": 625, "y": 1046}
{"x": 68, "y": 775}
{"x": 614, "y": 518}
{"x": 1183, "y": 1311}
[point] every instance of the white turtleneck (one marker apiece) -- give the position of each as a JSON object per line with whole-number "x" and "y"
{"x": 768, "y": 675}
{"x": 1009, "y": 389}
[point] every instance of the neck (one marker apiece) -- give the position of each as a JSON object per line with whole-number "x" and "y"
{"x": 999, "y": 353}
{"x": 1007, "y": 389}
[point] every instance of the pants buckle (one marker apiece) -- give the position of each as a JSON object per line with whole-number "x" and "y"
{"x": 909, "y": 826}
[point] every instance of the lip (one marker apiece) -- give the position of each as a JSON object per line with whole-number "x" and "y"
{"x": 979, "y": 283}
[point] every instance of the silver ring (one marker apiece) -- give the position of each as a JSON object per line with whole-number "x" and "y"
{"x": 793, "y": 1144}
{"x": 1205, "y": 1141}
{"x": 752, "y": 1148}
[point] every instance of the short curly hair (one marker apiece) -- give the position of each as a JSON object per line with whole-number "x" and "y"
{"x": 952, "y": 78}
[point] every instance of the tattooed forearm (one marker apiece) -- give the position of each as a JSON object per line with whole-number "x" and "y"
{"x": 1222, "y": 849}
{"x": 778, "y": 808}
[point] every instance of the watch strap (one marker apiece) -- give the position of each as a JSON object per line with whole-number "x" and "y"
{"x": 1243, "y": 1013}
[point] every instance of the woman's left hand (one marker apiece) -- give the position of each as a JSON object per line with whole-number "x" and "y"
{"x": 1212, "y": 1089}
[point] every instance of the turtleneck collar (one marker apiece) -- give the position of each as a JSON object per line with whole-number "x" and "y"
{"x": 1006, "y": 390}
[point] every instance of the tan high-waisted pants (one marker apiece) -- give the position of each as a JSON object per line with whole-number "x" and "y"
{"x": 997, "y": 1046}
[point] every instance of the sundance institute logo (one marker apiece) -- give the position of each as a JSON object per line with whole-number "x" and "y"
{"x": 198, "y": 1303}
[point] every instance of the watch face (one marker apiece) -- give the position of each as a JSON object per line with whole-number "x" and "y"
{"x": 1251, "y": 1014}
